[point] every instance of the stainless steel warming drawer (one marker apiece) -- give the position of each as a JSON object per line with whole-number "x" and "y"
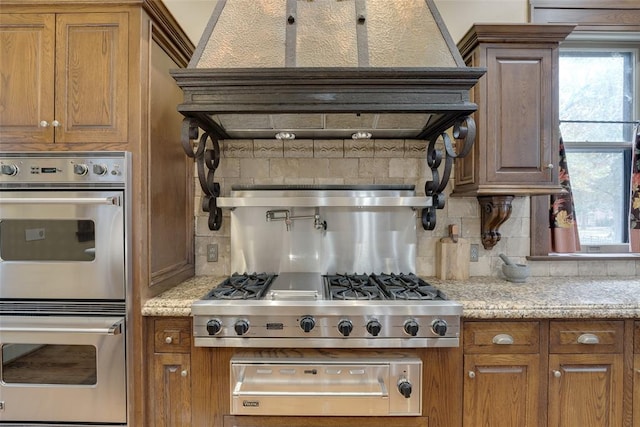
{"x": 321, "y": 384}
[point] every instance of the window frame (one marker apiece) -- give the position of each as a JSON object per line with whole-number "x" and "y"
{"x": 618, "y": 22}
{"x": 595, "y": 44}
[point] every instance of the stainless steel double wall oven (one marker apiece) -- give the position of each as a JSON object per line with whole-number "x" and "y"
{"x": 64, "y": 283}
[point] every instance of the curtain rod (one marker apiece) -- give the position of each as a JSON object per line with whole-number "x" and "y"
{"x": 623, "y": 122}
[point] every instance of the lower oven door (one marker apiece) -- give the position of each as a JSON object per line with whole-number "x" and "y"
{"x": 62, "y": 370}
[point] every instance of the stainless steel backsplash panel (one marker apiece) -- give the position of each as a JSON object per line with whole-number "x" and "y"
{"x": 362, "y": 240}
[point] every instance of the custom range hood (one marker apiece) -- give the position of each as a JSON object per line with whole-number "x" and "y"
{"x": 326, "y": 69}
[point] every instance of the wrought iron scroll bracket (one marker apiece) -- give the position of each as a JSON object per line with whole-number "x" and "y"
{"x": 464, "y": 133}
{"x": 207, "y": 157}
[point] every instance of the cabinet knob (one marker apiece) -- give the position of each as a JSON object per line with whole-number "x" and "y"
{"x": 44, "y": 124}
{"x": 557, "y": 374}
{"x": 55, "y": 123}
{"x": 168, "y": 340}
{"x": 472, "y": 374}
{"x": 184, "y": 373}
{"x": 549, "y": 166}
{"x": 503, "y": 339}
{"x": 588, "y": 339}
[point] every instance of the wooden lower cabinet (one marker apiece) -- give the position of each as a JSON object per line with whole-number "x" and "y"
{"x": 636, "y": 391}
{"x": 536, "y": 373}
{"x": 501, "y": 390}
{"x": 172, "y": 391}
{"x": 169, "y": 372}
{"x": 249, "y": 421}
{"x": 501, "y": 374}
{"x": 586, "y": 390}
{"x": 586, "y": 373}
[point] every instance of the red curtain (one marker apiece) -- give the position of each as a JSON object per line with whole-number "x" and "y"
{"x": 564, "y": 228}
{"x": 634, "y": 217}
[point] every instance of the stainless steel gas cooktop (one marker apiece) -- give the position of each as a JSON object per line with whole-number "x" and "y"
{"x": 315, "y": 310}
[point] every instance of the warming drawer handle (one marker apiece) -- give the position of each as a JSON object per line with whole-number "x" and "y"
{"x": 114, "y": 201}
{"x": 237, "y": 391}
{"x": 588, "y": 339}
{"x": 115, "y": 329}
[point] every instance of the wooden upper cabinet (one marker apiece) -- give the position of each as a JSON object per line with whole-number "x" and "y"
{"x": 26, "y": 77}
{"x": 65, "y": 78}
{"x": 517, "y": 139}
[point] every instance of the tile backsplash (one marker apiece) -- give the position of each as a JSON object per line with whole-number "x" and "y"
{"x": 307, "y": 161}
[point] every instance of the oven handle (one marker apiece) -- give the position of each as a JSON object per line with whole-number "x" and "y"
{"x": 114, "y": 201}
{"x": 115, "y": 329}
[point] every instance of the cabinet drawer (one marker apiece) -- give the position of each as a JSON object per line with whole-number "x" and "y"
{"x": 636, "y": 339}
{"x": 501, "y": 337}
{"x": 172, "y": 335}
{"x": 586, "y": 336}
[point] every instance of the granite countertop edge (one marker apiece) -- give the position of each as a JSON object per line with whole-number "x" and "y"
{"x": 481, "y": 297}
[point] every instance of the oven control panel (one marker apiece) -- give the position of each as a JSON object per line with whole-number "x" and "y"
{"x": 63, "y": 168}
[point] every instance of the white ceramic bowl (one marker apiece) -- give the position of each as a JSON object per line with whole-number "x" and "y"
{"x": 516, "y": 273}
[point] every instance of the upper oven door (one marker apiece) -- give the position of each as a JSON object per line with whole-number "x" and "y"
{"x": 62, "y": 245}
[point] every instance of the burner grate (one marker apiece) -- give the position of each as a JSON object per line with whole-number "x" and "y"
{"x": 406, "y": 287}
{"x": 242, "y": 287}
{"x": 352, "y": 287}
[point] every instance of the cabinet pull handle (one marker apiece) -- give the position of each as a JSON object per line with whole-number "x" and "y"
{"x": 44, "y": 124}
{"x": 168, "y": 340}
{"x": 557, "y": 374}
{"x": 588, "y": 339}
{"x": 184, "y": 373}
{"x": 472, "y": 374}
{"x": 55, "y": 123}
{"x": 503, "y": 339}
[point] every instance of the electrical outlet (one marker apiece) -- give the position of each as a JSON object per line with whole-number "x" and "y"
{"x": 473, "y": 256}
{"x": 212, "y": 252}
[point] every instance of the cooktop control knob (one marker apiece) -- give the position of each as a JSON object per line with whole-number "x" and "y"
{"x": 439, "y": 327}
{"x": 404, "y": 387}
{"x": 411, "y": 327}
{"x": 80, "y": 169}
{"x": 11, "y": 170}
{"x": 307, "y": 323}
{"x": 345, "y": 327}
{"x": 100, "y": 169}
{"x": 241, "y": 327}
{"x": 374, "y": 327}
{"x": 213, "y": 326}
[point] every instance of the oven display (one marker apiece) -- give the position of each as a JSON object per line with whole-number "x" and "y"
{"x": 48, "y": 170}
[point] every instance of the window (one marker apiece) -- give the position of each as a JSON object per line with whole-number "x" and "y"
{"x": 598, "y": 108}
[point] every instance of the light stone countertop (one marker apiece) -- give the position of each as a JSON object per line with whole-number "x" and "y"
{"x": 481, "y": 297}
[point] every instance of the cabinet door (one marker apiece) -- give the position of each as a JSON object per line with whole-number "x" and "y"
{"x": 636, "y": 391}
{"x": 585, "y": 390}
{"x": 26, "y": 77}
{"x": 91, "y": 79}
{"x": 501, "y": 390}
{"x": 171, "y": 391}
{"x": 520, "y": 115}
